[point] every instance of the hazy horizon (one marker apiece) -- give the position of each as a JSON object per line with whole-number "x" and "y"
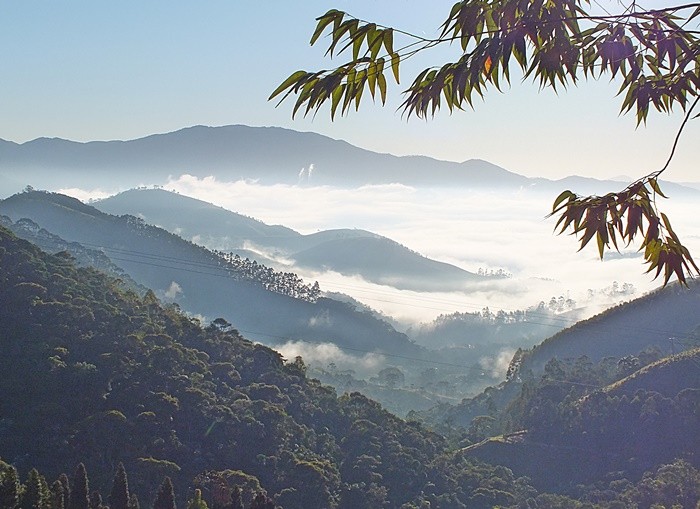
{"x": 469, "y": 229}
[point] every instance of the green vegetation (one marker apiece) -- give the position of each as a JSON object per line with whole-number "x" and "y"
{"x": 98, "y": 376}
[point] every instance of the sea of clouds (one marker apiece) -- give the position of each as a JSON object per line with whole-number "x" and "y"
{"x": 471, "y": 229}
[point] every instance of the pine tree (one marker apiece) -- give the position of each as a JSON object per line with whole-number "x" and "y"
{"x": 36, "y": 492}
{"x": 95, "y": 500}
{"x": 65, "y": 483}
{"x": 57, "y": 499}
{"x": 119, "y": 496}
{"x": 166, "y": 496}
{"x": 9, "y": 486}
{"x": 80, "y": 491}
{"x": 134, "y": 502}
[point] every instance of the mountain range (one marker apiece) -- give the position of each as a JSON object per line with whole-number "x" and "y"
{"x": 268, "y": 155}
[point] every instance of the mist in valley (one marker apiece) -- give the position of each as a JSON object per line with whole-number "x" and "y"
{"x": 532, "y": 282}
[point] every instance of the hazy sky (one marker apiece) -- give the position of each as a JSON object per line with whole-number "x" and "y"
{"x": 96, "y": 70}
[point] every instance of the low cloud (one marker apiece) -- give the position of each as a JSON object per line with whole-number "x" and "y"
{"x": 497, "y": 366}
{"x": 173, "y": 291}
{"x": 471, "y": 229}
{"x": 323, "y": 354}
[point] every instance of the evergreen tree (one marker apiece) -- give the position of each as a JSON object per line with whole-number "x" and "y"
{"x": 197, "y": 502}
{"x": 134, "y": 502}
{"x": 79, "y": 493}
{"x": 65, "y": 484}
{"x": 166, "y": 496}
{"x": 119, "y": 496}
{"x": 9, "y": 486}
{"x": 36, "y": 492}
{"x": 57, "y": 500}
{"x": 95, "y": 500}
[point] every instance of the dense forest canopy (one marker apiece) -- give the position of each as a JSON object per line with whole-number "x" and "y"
{"x": 96, "y": 373}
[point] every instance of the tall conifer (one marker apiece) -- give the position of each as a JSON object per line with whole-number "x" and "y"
{"x": 119, "y": 496}
{"x": 9, "y": 486}
{"x": 57, "y": 500}
{"x": 36, "y": 492}
{"x": 80, "y": 491}
{"x": 134, "y": 502}
{"x": 65, "y": 483}
{"x": 166, "y": 496}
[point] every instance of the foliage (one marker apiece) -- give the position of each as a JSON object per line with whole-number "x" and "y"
{"x": 103, "y": 375}
{"x": 654, "y": 54}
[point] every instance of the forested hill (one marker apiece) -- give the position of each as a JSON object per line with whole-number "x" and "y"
{"x": 194, "y": 277}
{"x": 664, "y": 319}
{"x": 95, "y": 373}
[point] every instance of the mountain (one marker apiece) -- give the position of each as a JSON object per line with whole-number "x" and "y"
{"x": 266, "y": 154}
{"x": 386, "y": 262}
{"x": 632, "y": 425}
{"x": 663, "y": 319}
{"x": 212, "y": 226}
{"x": 193, "y": 277}
{"x": 95, "y": 373}
{"x": 351, "y": 252}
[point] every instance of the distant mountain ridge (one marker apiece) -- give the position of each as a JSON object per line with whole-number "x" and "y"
{"x": 269, "y": 155}
{"x": 347, "y": 251}
{"x": 240, "y": 152}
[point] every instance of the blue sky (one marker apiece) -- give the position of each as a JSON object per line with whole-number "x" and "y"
{"x": 96, "y": 70}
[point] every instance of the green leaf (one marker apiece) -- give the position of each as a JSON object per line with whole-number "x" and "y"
{"x": 381, "y": 81}
{"x": 395, "y": 61}
{"x": 323, "y": 22}
{"x": 388, "y": 39}
{"x": 291, "y": 80}
{"x": 565, "y": 195}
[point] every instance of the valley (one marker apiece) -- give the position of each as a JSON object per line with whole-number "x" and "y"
{"x": 300, "y": 337}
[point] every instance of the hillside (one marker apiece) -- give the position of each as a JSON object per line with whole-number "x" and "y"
{"x": 97, "y": 374}
{"x": 386, "y": 262}
{"x": 212, "y": 226}
{"x": 652, "y": 320}
{"x": 350, "y": 252}
{"x": 94, "y": 373}
{"x": 630, "y": 426}
{"x": 190, "y": 275}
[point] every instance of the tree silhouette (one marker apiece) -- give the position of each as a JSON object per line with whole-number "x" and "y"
{"x": 79, "y": 495}
{"x": 119, "y": 496}
{"x": 166, "y": 496}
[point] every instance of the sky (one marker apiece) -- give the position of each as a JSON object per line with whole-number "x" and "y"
{"x": 96, "y": 70}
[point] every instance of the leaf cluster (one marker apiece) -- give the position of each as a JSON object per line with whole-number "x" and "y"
{"x": 619, "y": 219}
{"x": 655, "y": 53}
{"x": 345, "y": 84}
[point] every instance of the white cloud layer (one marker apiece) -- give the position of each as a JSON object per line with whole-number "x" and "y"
{"x": 468, "y": 228}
